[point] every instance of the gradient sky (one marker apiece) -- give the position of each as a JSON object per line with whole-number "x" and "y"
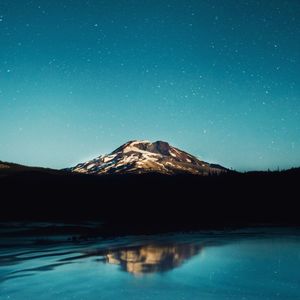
{"x": 219, "y": 79}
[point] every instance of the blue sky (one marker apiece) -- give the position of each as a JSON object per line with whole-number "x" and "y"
{"x": 219, "y": 79}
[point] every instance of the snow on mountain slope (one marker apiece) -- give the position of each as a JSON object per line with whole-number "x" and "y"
{"x": 145, "y": 157}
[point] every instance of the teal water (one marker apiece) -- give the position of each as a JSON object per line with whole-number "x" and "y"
{"x": 245, "y": 265}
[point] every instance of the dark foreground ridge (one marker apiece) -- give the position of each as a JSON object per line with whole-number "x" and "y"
{"x": 151, "y": 202}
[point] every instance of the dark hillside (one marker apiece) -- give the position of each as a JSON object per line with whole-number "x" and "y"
{"x": 151, "y": 200}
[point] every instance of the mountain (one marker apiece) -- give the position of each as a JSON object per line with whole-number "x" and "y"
{"x": 137, "y": 157}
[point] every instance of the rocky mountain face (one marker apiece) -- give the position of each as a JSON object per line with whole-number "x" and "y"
{"x": 137, "y": 157}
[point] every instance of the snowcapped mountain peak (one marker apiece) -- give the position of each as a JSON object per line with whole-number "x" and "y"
{"x": 146, "y": 157}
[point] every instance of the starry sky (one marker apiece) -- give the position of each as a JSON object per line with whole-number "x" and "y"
{"x": 218, "y": 79}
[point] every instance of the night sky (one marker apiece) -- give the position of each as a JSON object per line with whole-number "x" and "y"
{"x": 218, "y": 79}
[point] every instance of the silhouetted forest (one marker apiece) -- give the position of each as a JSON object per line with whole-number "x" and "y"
{"x": 152, "y": 201}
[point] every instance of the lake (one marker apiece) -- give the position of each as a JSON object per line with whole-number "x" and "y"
{"x": 244, "y": 264}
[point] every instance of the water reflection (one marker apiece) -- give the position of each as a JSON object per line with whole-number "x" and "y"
{"x": 152, "y": 258}
{"x": 252, "y": 264}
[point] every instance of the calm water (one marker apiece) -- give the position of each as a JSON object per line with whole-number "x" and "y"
{"x": 245, "y": 264}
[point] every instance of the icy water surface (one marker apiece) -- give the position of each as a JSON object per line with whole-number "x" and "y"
{"x": 240, "y": 264}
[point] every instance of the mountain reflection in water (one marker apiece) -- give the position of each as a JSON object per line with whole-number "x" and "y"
{"x": 250, "y": 263}
{"x": 152, "y": 258}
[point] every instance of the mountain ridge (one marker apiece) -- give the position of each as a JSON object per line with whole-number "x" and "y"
{"x": 142, "y": 156}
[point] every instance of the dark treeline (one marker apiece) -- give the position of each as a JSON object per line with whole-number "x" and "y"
{"x": 153, "y": 201}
